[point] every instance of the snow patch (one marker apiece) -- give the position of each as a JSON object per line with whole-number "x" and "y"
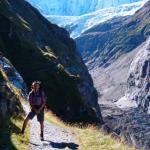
{"x": 125, "y": 102}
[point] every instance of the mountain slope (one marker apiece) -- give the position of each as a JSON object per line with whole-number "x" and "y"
{"x": 108, "y": 50}
{"x": 138, "y": 79}
{"x": 42, "y": 51}
{"x": 117, "y": 55}
{"x": 134, "y": 125}
{"x": 113, "y": 40}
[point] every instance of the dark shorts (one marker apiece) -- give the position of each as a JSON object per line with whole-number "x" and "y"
{"x": 40, "y": 116}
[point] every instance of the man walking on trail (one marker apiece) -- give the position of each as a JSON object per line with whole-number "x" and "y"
{"x": 37, "y": 101}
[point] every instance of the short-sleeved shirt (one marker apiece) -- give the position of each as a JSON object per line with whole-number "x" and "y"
{"x": 36, "y": 99}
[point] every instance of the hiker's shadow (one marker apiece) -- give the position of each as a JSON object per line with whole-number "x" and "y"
{"x": 63, "y": 145}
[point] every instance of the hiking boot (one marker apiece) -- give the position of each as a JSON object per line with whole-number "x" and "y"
{"x": 41, "y": 136}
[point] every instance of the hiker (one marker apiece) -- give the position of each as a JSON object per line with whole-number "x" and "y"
{"x": 37, "y": 101}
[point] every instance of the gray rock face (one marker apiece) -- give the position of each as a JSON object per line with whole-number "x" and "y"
{"x": 9, "y": 101}
{"x": 134, "y": 128}
{"x": 13, "y": 75}
{"x": 139, "y": 78}
{"x": 131, "y": 122}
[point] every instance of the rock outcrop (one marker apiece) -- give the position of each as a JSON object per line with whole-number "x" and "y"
{"x": 10, "y": 94}
{"x": 139, "y": 78}
{"x": 133, "y": 128}
{"x": 13, "y": 76}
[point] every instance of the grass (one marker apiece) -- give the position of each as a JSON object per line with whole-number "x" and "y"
{"x": 89, "y": 138}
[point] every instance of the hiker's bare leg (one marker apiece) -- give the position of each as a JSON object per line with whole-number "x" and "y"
{"x": 25, "y": 124}
{"x": 42, "y": 128}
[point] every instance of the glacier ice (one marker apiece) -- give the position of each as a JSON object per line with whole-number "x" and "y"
{"x": 75, "y": 7}
{"x": 80, "y": 24}
{"x": 78, "y": 16}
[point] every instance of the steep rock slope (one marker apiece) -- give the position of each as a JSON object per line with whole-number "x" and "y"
{"x": 10, "y": 95}
{"x": 42, "y": 51}
{"x": 128, "y": 112}
{"x": 133, "y": 125}
{"x": 13, "y": 76}
{"x": 139, "y": 78}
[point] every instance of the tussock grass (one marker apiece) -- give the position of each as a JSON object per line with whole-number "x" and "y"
{"x": 93, "y": 139}
{"x": 89, "y": 138}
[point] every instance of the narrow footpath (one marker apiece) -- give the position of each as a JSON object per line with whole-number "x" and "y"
{"x": 55, "y": 137}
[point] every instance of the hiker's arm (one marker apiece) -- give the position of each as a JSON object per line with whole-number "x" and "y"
{"x": 30, "y": 101}
{"x": 44, "y": 101}
{"x": 42, "y": 106}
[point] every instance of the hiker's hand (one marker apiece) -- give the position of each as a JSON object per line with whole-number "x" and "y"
{"x": 37, "y": 112}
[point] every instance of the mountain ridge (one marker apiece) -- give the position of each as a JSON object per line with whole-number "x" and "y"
{"x": 117, "y": 39}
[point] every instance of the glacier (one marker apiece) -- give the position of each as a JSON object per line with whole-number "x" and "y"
{"x": 75, "y": 7}
{"x": 77, "y": 16}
